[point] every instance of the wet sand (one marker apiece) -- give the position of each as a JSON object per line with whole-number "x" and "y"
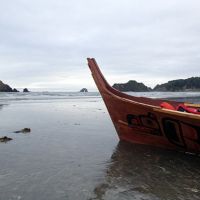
{"x": 73, "y": 152}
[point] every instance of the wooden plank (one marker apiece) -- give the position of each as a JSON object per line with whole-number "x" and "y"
{"x": 177, "y": 113}
{"x": 192, "y": 105}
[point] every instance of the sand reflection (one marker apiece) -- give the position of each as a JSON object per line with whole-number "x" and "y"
{"x": 142, "y": 172}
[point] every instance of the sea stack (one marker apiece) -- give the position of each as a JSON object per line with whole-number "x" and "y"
{"x": 84, "y": 90}
{"x": 15, "y": 90}
{"x": 25, "y": 90}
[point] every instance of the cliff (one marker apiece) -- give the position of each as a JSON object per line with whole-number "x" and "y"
{"x": 6, "y": 88}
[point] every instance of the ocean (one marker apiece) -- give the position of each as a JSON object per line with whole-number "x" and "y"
{"x": 73, "y": 152}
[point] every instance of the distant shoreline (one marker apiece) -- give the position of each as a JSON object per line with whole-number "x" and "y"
{"x": 180, "y": 85}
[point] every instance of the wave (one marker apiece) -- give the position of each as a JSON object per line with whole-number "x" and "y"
{"x": 179, "y": 96}
{"x": 6, "y": 97}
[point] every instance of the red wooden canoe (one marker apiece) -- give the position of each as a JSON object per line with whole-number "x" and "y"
{"x": 143, "y": 120}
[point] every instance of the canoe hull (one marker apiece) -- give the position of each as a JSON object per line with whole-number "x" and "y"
{"x": 145, "y": 125}
{"x": 141, "y": 120}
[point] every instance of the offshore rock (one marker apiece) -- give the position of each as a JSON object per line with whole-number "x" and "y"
{"x": 15, "y": 90}
{"x": 25, "y": 90}
{"x": 84, "y": 90}
{"x": 5, "y": 139}
{"x": 24, "y": 130}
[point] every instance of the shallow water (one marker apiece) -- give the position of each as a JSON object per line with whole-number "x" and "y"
{"x": 73, "y": 152}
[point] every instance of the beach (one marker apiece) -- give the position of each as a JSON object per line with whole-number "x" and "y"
{"x": 73, "y": 152}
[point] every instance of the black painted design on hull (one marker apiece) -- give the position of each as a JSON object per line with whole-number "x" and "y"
{"x": 145, "y": 122}
{"x": 173, "y": 132}
{"x": 177, "y": 132}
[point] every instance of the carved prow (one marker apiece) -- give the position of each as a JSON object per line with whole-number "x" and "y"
{"x": 99, "y": 79}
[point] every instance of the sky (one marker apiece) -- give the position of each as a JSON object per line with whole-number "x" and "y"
{"x": 45, "y": 43}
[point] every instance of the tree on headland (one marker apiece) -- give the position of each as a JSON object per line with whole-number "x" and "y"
{"x": 189, "y": 84}
{"x": 131, "y": 86}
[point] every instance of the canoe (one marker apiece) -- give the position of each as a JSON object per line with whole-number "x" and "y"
{"x": 145, "y": 121}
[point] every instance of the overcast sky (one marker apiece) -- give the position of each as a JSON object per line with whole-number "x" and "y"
{"x": 45, "y": 43}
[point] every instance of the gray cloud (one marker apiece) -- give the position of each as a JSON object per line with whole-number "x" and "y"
{"x": 45, "y": 43}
